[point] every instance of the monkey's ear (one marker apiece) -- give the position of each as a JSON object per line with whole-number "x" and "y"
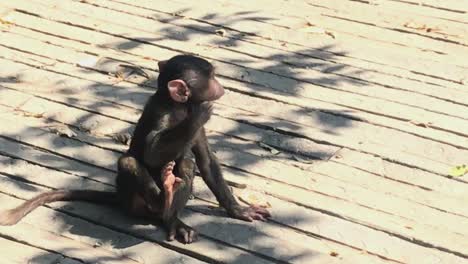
{"x": 178, "y": 90}
{"x": 161, "y": 65}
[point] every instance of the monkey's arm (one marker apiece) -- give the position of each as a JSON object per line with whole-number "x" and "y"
{"x": 211, "y": 173}
{"x": 165, "y": 144}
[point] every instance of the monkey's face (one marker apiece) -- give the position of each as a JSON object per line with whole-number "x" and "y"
{"x": 213, "y": 91}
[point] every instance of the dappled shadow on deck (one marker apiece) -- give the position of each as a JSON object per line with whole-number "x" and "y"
{"x": 279, "y": 75}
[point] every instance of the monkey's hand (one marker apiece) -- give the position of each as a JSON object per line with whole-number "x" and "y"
{"x": 249, "y": 213}
{"x": 201, "y": 113}
{"x": 170, "y": 184}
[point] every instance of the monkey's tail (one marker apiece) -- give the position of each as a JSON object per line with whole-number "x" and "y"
{"x": 13, "y": 216}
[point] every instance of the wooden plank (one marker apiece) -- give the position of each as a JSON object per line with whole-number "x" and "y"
{"x": 29, "y": 254}
{"x": 298, "y": 72}
{"x": 426, "y": 10}
{"x": 320, "y": 133}
{"x": 323, "y": 53}
{"x": 347, "y": 44}
{"x": 423, "y": 129}
{"x": 434, "y": 31}
{"x": 372, "y": 29}
{"x": 429, "y": 121}
{"x": 261, "y": 167}
{"x": 222, "y": 126}
{"x": 293, "y": 215}
{"x": 349, "y": 201}
{"x": 380, "y": 167}
{"x": 365, "y": 103}
{"x": 323, "y": 134}
{"x": 305, "y": 71}
{"x": 115, "y": 228}
{"x": 448, "y": 96}
{"x": 322, "y": 230}
{"x": 225, "y": 146}
{"x": 263, "y": 240}
{"x": 455, "y": 6}
{"x": 44, "y": 232}
{"x": 349, "y": 209}
{"x": 383, "y": 17}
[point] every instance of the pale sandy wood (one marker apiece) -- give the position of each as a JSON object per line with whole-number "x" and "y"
{"x": 360, "y": 142}
{"x": 345, "y": 208}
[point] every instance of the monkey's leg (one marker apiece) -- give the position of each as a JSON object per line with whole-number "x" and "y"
{"x": 137, "y": 189}
{"x": 184, "y": 169}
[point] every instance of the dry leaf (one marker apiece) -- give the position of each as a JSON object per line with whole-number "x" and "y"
{"x": 35, "y": 115}
{"x": 413, "y": 25}
{"x": 269, "y": 148}
{"x": 5, "y": 22}
{"x": 63, "y": 131}
{"x": 97, "y": 244}
{"x": 459, "y": 171}
{"x": 331, "y": 34}
{"x": 421, "y": 124}
{"x": 221, "y": 32}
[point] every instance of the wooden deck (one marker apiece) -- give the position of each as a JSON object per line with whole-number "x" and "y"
{"x": 345, "y": 118}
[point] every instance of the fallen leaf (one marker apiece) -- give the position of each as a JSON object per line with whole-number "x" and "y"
{"x": 35, "y": 115}
{"x": 5, "y": 22}
{"x": 331, "y": 34}
{"x": 269, "y": 148}
{"x": 459, "y": 171}
{"x": 97, "y": 244}
{"x": 63, "y": 131}
{"x": 413, "y": 25}
{"x": 421, "y": 124}
{"x": 221, "y": 32}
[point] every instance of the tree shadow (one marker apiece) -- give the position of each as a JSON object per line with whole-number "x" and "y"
{"x": 283, "y": 73}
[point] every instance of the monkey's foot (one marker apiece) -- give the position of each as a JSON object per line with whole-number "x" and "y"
{"x": 249, "y": 213}
{"x": 184, "y": 233}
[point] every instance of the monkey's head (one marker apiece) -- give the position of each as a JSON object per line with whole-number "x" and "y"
{"x": 189, "y": 79}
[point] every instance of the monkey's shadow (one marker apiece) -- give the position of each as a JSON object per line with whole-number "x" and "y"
{"x": 115, "y": 221}
{"x": 123, "y": 232}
